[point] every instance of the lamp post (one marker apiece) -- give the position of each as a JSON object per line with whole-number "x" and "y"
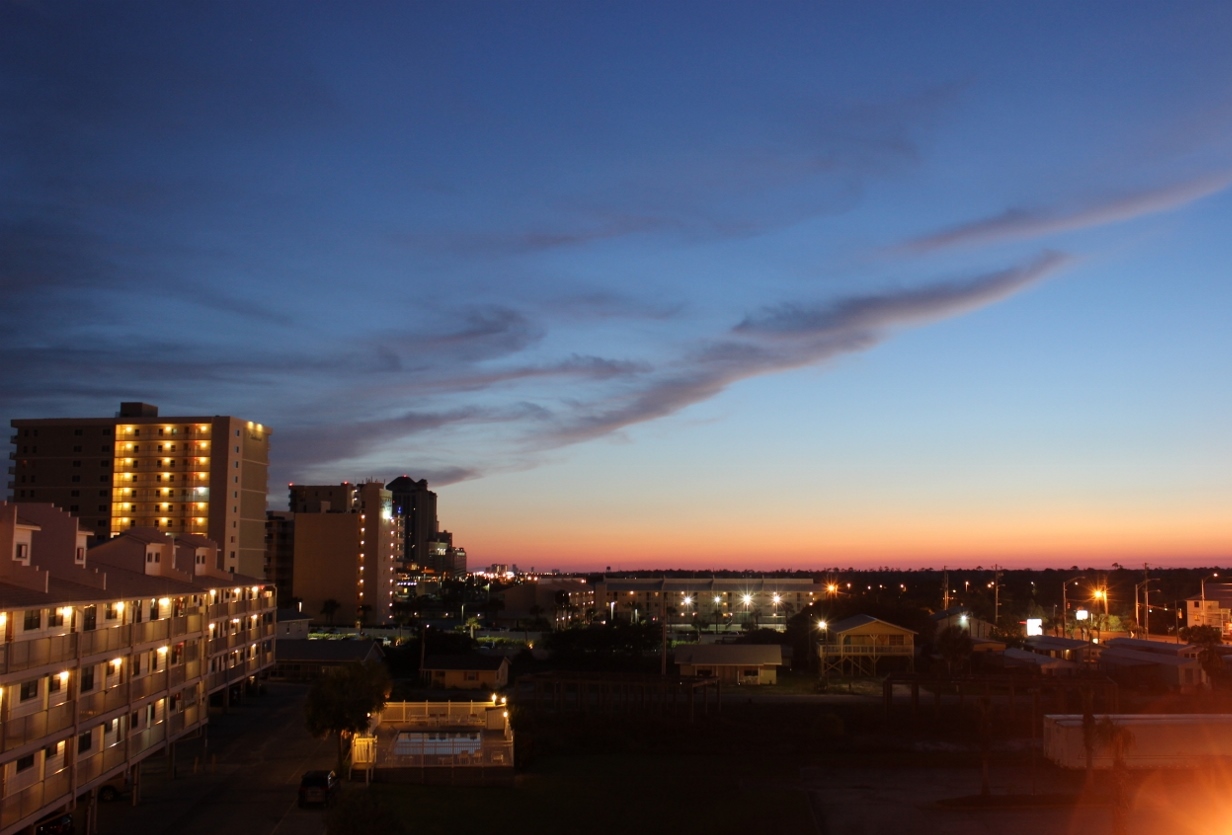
{"x": 776, "y": 599}
{"x": 1065, "y": 602}
{"x": 822, "y": 626}
{"x": 1203, "y": 606}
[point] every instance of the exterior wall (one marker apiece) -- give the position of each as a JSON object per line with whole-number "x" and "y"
{"x": 91, "y": 686}
{"x": 733, "y": 673}
{"x": 202, "y": 475}
{"x": 280, "y": 552}
{"x": 326, "y": 563}
{"x": 348, "y": 556}
{"x": 469, "y": 679}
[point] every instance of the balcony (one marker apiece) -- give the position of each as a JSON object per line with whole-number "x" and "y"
{"x": 53, "y": 789}
{"x": 150, "y": 631}
{"x": 22, "y": 729}
{"x": 23, "y": 655}
{"x": 105, "y": 640}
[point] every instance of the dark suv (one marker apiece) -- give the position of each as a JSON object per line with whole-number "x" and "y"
{"x": 59, "y": 824}
{"x": 317, "y": 787}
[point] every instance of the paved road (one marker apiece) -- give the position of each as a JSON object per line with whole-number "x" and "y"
{"x": 244, "y": 781}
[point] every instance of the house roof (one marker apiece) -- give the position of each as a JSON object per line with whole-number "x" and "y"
{"x": 287, "y": 615}
{"x": 306, "y": 649}
{"x": 1049, "y": 642}
{"x": 856, "y": 621}
{"x": 464, "y": 662}
{"x": 733, "y": 654}
{"x": 1159, "y": 647}
{"x": 1118, "y": 657}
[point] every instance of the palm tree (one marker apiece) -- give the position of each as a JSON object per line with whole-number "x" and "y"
{"x": 330, "y": 608}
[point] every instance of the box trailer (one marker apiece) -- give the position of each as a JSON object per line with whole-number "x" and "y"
{"x": 1156, "y": 740}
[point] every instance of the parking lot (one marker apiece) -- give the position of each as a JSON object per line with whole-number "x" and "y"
{"x": 243, "y": 780}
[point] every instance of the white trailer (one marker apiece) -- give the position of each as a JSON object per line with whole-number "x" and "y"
{"x": 1157, "y": 740}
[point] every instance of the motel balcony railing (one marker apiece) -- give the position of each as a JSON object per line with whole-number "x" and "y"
{"x": 54, "y": 788}
{"x": 864, "y": 650}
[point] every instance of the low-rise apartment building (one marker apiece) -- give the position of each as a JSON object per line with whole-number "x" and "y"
{"x": 110, "y": 655}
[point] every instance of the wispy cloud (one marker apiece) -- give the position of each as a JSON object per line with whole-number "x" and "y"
{"x": 791, "y": 336}
{"x": 1019, "y": 224}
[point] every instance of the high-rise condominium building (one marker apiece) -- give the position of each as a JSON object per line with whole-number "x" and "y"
{"x": 346, "y": 544}
{"x": 180, "y": 475}
{"x": 415, "y": 504}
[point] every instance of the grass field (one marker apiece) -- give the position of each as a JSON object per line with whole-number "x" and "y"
{"x": 654, "y": 794}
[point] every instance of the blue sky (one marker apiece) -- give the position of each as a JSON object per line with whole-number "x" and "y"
{"x": 652, "y": 283}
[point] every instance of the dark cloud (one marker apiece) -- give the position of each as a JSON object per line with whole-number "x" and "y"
{"x": 310, "y": 446}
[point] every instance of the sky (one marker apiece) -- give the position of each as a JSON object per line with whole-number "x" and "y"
{"x": 662, "y": 284}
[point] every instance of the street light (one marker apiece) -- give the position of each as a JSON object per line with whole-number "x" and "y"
{"x": 776, "y": 600}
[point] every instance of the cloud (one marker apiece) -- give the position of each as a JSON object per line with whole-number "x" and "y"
{"x": 905, "y": 307}
{"x": 1018, "y": 224}
{"x": 791, "y": 336}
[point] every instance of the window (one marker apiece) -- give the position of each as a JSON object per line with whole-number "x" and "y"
{"x": 56, "y": 617}
{"x": 33, "y": 619}
{"x": 87, "y": 678}
{"x": 89, "y": 618}
{"x": 76, "y": 479}
{"x": 29, "y": 690}
{"x": 74, "y": 493}
{"x": 85, "y": 742}
{"x": 25, "y": 763}
{"x": 111, "y": 612}
{"x": 53, "y": 684}
{"x": 76, "y": 449}
{"x": 76, "y": 463}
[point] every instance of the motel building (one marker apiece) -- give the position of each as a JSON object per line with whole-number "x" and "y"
{"x": 110, "y": 655}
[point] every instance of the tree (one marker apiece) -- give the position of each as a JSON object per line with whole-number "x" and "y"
{"x": 363, "y": 610}
{"x": 1209, "y": 639}
{"x": 342, "y": 700}
{"x": 330, "y": 608}
{"x": 954, "y": 645}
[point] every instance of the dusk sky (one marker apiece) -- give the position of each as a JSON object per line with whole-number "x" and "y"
{"x": 764, "y": 285}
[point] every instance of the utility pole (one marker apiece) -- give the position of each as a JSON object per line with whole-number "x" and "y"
{"x": 996, "y": 595}
{"x": 945, "y": 589}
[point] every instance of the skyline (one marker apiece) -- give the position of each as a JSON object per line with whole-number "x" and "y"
{"x": 647, "y": 285}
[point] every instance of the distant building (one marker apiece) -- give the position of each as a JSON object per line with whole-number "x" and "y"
{"x": 1213, "y": 607}
{"x": 415, "y": 504}
{"x": 862, "y": 644}
{"x": 561, "y": 601}
{"x": 280, "y": 552}
{"x": 466, "y": 672}
{"x": 731, "y": 663}
{"x": 710, "y": 602}
{"x": 346, "y": 547}
{"x": 110, "y": 655}
{"x": 301, "y": 659}
{"x": 198, "y": 475}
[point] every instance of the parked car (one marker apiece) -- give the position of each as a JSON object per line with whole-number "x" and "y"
{"x": 317, "y": 787}
{"x": 58, "y": 824}
{"x": 114, "y": 788}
